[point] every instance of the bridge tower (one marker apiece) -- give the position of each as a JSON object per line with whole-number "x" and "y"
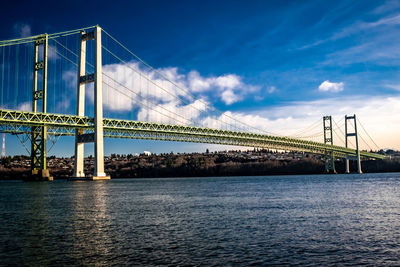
{"x": 39, "y": 133}
{"x": 328, "y": 139}
{"x": 356, "y": 138}
{"x": 80, "y": 136}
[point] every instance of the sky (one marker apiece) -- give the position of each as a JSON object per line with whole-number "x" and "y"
{"x": 277, "y": 65}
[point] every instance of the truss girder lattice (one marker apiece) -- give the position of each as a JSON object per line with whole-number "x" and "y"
{"x": 65, "y": 125}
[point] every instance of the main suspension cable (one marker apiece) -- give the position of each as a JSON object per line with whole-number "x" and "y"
{"x": 136, "y": 100}
{"x": 182, "y": 89}
{"x": 367, "y": 134}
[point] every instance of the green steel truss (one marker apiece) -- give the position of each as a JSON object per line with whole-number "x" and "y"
{"x": 65, "y": 125}
{"x": 39, "y": 132}
{"x": 328, "y": 139}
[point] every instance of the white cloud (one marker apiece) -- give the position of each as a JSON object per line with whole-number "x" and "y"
{"x": 237, "y": 121}
{"x": 229, "y": 87}
{"x": 395, "y": 87}
{"x": 198, "y": 83}
{"x": 377, "y": 114}
{"x": 387, "y": 6}
{"x": 229, "y": 97}
{"x": 394, "y": 20}
{"x": 22, "y": 30}
{"x": 52, "y": 53}
{"x": 125, "y": 87}
{"x": 133, "y": 89}
{"x": 328, "y": 86}
{"x": 229, "y": 81}
{"x": 173, "y": 113}
{"x": 25, "y": 106}
{"x": 263, "y": 94}
{"x": 271, "y": 89}
{"x": 361, "y": 26}
{"x": 70, "y": 78}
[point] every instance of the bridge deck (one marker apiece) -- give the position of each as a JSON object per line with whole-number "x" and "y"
{"x": 58, "y": 124}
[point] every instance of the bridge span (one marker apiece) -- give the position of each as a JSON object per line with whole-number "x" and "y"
{"x": 57, "y": 124}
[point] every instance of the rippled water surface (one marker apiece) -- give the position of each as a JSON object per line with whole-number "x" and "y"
{"x": 306, "y": 220}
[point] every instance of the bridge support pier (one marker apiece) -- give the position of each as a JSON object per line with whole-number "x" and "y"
{"x": 97, "y": 137}
{"x": 355, "y": 134}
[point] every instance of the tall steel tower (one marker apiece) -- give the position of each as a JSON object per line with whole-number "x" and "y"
{"x": 355, "y": 134}
{"x": 328, "y": 139}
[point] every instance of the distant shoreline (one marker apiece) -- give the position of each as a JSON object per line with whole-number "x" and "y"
{"x": 217, "y": 164}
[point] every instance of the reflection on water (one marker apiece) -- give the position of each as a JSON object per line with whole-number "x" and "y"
{"x": 90, "y": 220}
{"x": 302, "y": 220}
{"x": 37, "y": 222}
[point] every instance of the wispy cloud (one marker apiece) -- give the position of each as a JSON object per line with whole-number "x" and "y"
{"x": 22, "y": 30}
{"x": 387, "y": 6}
{"x": 264, "y": 93}
{"x": 271, "y": 89}
{"x": 395, "y": 87}
{"x": 358, "y": 27}
{"x": 361, "y": 26}
{"x": 377, "y": 51}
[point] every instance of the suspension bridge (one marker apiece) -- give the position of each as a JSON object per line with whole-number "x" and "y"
{"x": 85, "y": 83}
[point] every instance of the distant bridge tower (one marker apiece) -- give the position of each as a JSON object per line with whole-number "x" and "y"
{"x": 3, "y": 148}
{"x": 356, "y": 137}
{"x": 80, "y": 136}
{"x": 328, "y": 139}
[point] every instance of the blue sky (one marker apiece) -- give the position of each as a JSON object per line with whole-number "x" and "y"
{"x": 288, "y": 62}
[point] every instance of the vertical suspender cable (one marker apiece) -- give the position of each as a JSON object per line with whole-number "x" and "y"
{"x": 105, "y": 87}
{"x": 28, "y": 86}
{"x": 8, "y": 74}
{"x": 24, "y": 78}
{"x": 29, "y": 74}
{"x": 2, "y": 75}
{"x": 54, "y": 82}
{"x": 16, "y": 76}
{"x": 63, "y": 67}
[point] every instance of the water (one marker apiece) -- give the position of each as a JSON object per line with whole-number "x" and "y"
{"x": 286, "y": 220}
